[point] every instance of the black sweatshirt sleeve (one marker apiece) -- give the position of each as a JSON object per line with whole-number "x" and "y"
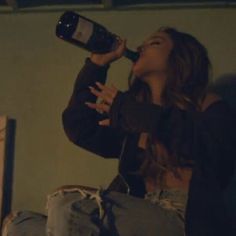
{"x": 81, "y": 122}
{"x": 206, "y": 137}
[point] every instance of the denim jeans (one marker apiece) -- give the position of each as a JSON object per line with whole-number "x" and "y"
{"x": 76, "y": 212}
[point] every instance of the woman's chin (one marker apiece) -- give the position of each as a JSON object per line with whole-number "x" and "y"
{"x": 136, "y": 71}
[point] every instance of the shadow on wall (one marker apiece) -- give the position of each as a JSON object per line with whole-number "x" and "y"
{"x": 225, "y": 86}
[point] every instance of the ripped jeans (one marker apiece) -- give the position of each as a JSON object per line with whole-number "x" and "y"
{"x": 77, "y": 212}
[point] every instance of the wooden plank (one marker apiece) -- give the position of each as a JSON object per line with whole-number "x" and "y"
{"x": 7, "y": 143}
{"x": 3, "y": 134}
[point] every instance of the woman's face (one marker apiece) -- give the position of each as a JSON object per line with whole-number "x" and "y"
{"x": 154, "y": 53}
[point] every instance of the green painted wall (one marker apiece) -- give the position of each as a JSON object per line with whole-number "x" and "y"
{"x": 37, "y": 76}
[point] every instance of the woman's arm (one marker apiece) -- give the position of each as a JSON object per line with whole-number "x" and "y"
{"x": 208, "y": 137}
{"x": 81, "y": 123}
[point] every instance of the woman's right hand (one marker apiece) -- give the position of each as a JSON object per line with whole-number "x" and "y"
{"x": 106, "y": 58}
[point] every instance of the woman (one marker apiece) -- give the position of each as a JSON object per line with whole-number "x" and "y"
{"x": 174, "y": 141}
{"x": 173, "y": 72}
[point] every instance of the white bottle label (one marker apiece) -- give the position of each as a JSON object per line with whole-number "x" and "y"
{"x": 83, "y": 31}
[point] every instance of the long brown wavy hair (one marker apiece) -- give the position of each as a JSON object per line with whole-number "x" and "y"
{"x": 189, "y": 71}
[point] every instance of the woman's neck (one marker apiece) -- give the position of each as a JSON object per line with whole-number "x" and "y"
{"x": 156, "y": 84}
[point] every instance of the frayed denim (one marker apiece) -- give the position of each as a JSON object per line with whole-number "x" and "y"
{"x": 77, "y": 212}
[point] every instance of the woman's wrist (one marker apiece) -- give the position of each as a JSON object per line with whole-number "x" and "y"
{"x": 98, "y": 60}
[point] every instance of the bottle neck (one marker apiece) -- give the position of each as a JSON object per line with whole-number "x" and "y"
{"x": 131, "y": 55}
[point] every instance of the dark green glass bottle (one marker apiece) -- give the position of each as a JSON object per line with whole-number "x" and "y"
{"x": 87, "y": 34}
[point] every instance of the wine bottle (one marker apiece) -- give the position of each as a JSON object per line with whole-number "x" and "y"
{"x": 89, "y": 35}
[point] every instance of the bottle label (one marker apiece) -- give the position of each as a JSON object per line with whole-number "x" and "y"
{"x": 83, "y": 31}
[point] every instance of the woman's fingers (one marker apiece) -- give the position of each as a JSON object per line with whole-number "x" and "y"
{"x": 101, "y": 94}
{"x": 105, "y": 122}
{"x": 111, "y": 91}
{"x": 120, "y": 47}
{"x": 106, "y": 93}
{"x": 100, "y": 107}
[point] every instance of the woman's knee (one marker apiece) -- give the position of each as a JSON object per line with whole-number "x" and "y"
{"x": 62, "y": 210}
{"x": 21, "y": 223}
{"x": 63, "y": 197}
